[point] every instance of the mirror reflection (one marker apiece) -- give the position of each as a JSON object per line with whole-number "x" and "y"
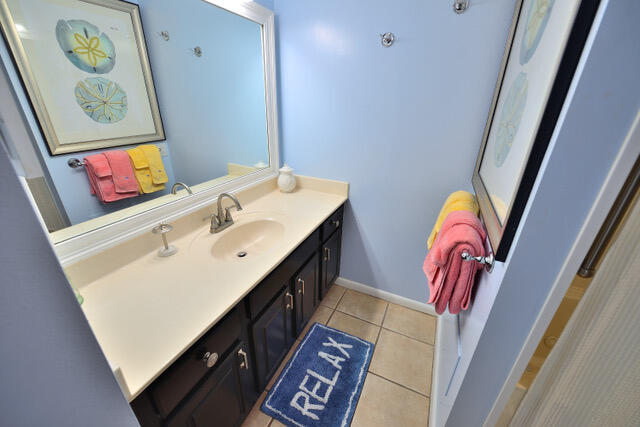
{"x": 95, "y": 113}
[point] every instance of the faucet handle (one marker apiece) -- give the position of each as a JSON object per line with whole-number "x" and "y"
{"x": 227, "y": 213}
{"x": 212, "y": 217}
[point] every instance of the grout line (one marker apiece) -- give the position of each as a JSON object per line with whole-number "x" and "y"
{"x": 380, "y": 330}
{"x": 409, "y": 336}
{"x": 330, "y": 317}
{"x": 359, "y": 318}
{"x": 398, "y": 384}
{"x": 340, "y": 299}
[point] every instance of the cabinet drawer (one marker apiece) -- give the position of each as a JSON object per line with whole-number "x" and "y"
{"x": 174, "y": 384}
{"x": 274, "y": 282}
{"x": 333, "y": 223}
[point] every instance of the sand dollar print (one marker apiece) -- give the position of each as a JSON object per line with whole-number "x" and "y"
{"x": 101, "y": 99}
{"x": 510, "y": 118}
{"x": 537, "y": 18}
{"x": 84, "y": 45}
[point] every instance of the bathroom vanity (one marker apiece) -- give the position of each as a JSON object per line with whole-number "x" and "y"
{"x": 221, "y": 375}
{"x": 198, "y": 335}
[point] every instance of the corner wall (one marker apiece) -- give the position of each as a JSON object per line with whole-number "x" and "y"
{"x": 600, "y": 108}
{"x": 53, "y": 372}
{"x": 402, "y": 124}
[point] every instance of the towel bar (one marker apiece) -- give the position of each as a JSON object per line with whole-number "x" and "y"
{"x": 487, "y": 261}
{"x": 75, "y": 163}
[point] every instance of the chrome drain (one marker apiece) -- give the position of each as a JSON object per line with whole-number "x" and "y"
{"x": 241, "y": 254}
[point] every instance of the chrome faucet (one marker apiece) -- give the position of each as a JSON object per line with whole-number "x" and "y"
{"x": 222, "y": 220}
{"x": 174, "y": 189}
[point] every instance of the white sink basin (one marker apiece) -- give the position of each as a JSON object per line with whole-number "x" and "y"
{"x": 251, "y": 234}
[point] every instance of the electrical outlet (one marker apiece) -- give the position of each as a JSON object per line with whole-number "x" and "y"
{"x": 162, "y": 148}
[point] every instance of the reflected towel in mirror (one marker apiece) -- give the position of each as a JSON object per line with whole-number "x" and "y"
{"x": 101, "y": 179}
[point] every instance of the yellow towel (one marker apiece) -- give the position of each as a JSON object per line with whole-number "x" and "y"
{"x": 142, "y": 171}
{"x": 151, "y": 152}
{"x": 458, "y": 201}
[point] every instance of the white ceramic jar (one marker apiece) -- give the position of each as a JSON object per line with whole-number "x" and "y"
{"x": 286, "y": 180}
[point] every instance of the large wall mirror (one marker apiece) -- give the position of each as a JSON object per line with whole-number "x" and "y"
{"x": 177, "y": 91}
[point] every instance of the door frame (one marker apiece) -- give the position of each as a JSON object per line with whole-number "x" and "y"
{"x": 607, "y": 195}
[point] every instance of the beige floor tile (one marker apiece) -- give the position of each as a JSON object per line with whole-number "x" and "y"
{"x": 333, "y": 296}
{"x": 284, "y": 362}
{"x": 256, "y": 417}
{"x": 363, "y": 306}
{"x": 404, "y": 361}
{"x": 354, "y": 326}
{"x": 276, "y": 423}
{"x": 321, "y": 315}
{"x": 412, "y": 323}
{"x": 383, "y": 403}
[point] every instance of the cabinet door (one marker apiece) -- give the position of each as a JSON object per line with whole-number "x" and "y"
{"x": 273, "y": 336}
{"x": 306, "y": 287}
{"x": 221, "y": 399}
{"x": 330, "y": 261}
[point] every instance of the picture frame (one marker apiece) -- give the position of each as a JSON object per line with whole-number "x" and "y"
{"x": 544, "y": 45}
{"x": 85, "y": 68}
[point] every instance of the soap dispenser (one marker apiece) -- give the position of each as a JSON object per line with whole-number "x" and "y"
{"x": 286, "y": 180}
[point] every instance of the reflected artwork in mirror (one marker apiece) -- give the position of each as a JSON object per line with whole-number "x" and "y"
{"x": 126, "y": 63}
{"x": 543, "y": 50}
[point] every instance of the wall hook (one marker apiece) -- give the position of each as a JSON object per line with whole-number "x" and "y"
{"x": 165, "y": 35}
{"x": 387, "y": 39}
{"x": 197, "y": 51}
{"x": 459, "y": 6}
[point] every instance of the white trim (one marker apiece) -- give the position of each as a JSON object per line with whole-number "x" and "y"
{"x": 387, "y": 296}
{"x": 435, "y": 375}
{"x": 95, "y": 241}
{"x": 616, "y": 177}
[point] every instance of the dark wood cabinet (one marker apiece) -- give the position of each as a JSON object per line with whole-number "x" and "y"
{"x": 223, "y": 398}
{"x": 273, "y": 335}
{"x": 330, "y": 261}
{"x": 217, "y": 380}
{"x": 305, "y": 286}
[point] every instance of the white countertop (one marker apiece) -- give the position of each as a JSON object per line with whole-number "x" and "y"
{"x": 147, "y": 310}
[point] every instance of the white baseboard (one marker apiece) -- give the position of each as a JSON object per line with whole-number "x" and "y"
{"x": 387, "y": 296}
{"x": 435, "y": 378}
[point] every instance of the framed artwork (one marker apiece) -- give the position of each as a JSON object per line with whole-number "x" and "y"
{"x": 85, "y": 67}
{"x": 544, "y": 46}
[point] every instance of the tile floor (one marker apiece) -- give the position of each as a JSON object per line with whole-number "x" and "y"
{"x": 397, "y": 387}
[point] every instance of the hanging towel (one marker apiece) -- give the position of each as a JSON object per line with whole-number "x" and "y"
{"x": 101, "y": 179}
{"x": 451, "y": 278}
{"x": 458, "y": 201}
{"x": 123, "y": 179}
{"x": 158, "y": 174}
{"x": 142, "y": 172}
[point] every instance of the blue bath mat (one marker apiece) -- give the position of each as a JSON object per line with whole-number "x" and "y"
{"x": 321, "y": 384}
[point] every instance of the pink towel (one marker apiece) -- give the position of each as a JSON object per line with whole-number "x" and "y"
{"x": 121, "y": 171}
{"x": 101, "y": 179}
{"x": 451, "y": 278}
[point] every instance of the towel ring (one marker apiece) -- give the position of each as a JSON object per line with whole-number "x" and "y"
{"x": 487, "y": 261}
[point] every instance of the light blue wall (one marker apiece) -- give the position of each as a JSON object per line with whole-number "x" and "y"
{"x": 213, "y": 107}
{"x": 402, "y": 124}
{"x": 604, "y": 103}
{"x": 53, "y": 371}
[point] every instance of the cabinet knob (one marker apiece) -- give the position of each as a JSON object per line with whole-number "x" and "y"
{"x": 290, "y": 303}
{"x": 301, "y": 284}
{"x": 336, "y": 223}
{"x": 245, "y": 363}
{"x": 210, "y": 359}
